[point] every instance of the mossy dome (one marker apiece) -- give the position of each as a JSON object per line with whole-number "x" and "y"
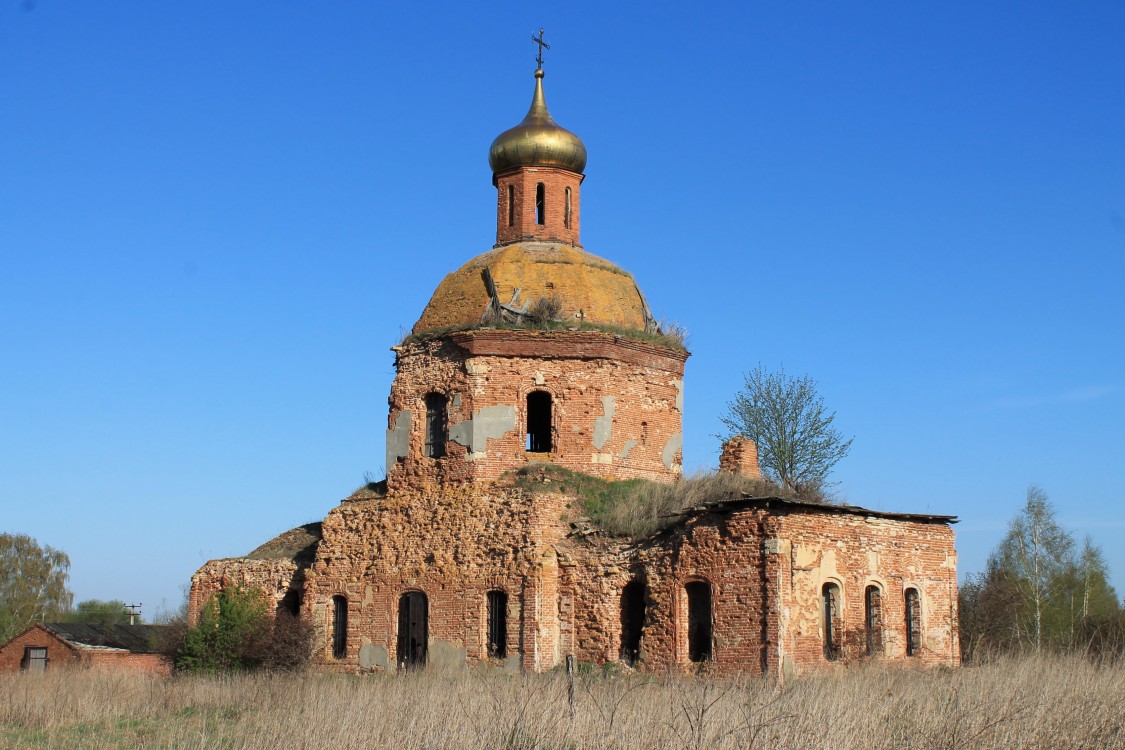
{"x": 587, "y": 290}
{"x": 537, "y": 141}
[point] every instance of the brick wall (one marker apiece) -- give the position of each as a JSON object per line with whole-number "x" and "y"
{"x": 274, "y": 578}
{"x": 59, "y": 652}
{"x": 522, "y": 225}
{"x": 454, "y": 545}
{"x": 765, "y": 569}
{"x": 616, "y": 405}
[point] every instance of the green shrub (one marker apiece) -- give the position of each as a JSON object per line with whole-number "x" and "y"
{"x": 236, "y": 632}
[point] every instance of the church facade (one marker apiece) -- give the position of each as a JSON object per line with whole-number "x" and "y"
{"x": 535, "y": 357}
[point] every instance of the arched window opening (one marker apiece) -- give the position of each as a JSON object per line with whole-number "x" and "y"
{"x": 413, "y": 630}
{"x": 632, "y": 621}
{"x": 538, "y": 422}
{"x": 540, "y": 204}
{"x": 832, "y": 621}
{"x": 913, "y": 622}
{"x": 699, "y": 621}
{"x": 497, "y": 624}
{"x": 873, "y": 620}
{"x": 339, "y": 627}
{"x": 566, "y": 213}
{"x": 437, "y": 419}
{"x": 511, "y": 206}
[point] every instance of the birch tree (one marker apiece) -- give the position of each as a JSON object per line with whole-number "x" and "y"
{"x": 33, "y": 583}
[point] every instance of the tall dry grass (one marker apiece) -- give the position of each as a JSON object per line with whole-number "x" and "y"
{"x": 1033, "y": 703}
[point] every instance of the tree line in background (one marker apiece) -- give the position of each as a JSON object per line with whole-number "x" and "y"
{"x": 1041, "y": 591}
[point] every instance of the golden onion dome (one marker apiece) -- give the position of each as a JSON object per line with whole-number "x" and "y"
{"x": 583, "y": 289}
{"x": 537, "y": 141}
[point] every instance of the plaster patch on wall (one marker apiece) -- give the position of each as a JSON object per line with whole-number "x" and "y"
{"x": 601, "y": 458}
{"x": 603, "y": 426}
{"x": 679, "y": 384}
{"x": 373, "y": 655}
{"x": 446, "y": 656}
{"x": 472, "y": 367}
{"x": 629, "y": 445}
{"x": 671, "y": 448}
{"x": 398, "y": 438}
{"x": 489, "y": 422}
{"x": 539, "y": 379}
{"x": 457, "y": 399}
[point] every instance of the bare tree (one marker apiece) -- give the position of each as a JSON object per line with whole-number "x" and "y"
{"x": 797, "y": 442}
{"x": 32, "y": 583}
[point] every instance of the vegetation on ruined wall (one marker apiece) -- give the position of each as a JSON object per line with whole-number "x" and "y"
{"x": 1037, "y": 703}
{"x": 638, "y": 507}
{"x": 1041, "y": 592}
{"x": 668, "y": 335}
{"x": 237, "y": 632}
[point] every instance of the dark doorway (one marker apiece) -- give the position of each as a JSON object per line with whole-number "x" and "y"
{"x": 497, "y": 624}
{"x": 412, "y": 630}
{"x": 539, "y": 422}
{"x": 632, "y": 621}
{"x": 699, "y": 620}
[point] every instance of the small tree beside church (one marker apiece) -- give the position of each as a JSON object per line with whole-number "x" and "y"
{"x": 785, "y": 416}
{"x": 236, "y": 632}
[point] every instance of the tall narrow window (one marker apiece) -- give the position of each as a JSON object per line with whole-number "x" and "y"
{"x": 832, "y": 621}
{"x": 566, "y": 214}
{"x": 632, "y": 621}
{"x": 436, "y": 421}
{"x": 511, "y": 206}
{"x": 913, "y": 622}
{"x": 538, "y": 422}
{"x": 497, "y": 624}
{"x": 699, "y": 621}
{"x": 339, "y": 627}
{"x": 873, "y": 620}
{"x": 540, "y": 204}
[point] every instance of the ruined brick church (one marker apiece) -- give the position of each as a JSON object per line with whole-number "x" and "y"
{"x": 538, "y": 354}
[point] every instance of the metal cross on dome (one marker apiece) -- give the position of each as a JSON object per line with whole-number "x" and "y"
{"x": 542, "y": 46}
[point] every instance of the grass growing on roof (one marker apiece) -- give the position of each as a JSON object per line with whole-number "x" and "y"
{"x": 638, "y": 508}
{"x": 672, "y": 339}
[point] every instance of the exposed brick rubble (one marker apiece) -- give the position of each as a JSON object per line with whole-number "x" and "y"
{"x": 740, "y": 456}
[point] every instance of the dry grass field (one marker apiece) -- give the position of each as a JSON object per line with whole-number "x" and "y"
{"x": 1049, "y": 703}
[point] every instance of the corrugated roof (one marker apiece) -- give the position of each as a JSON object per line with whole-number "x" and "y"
{"x": 141, "y": 639}
{"x": 749, "y": 501}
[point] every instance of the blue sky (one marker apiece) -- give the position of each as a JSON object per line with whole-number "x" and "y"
{"x": 216, "y": 218}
